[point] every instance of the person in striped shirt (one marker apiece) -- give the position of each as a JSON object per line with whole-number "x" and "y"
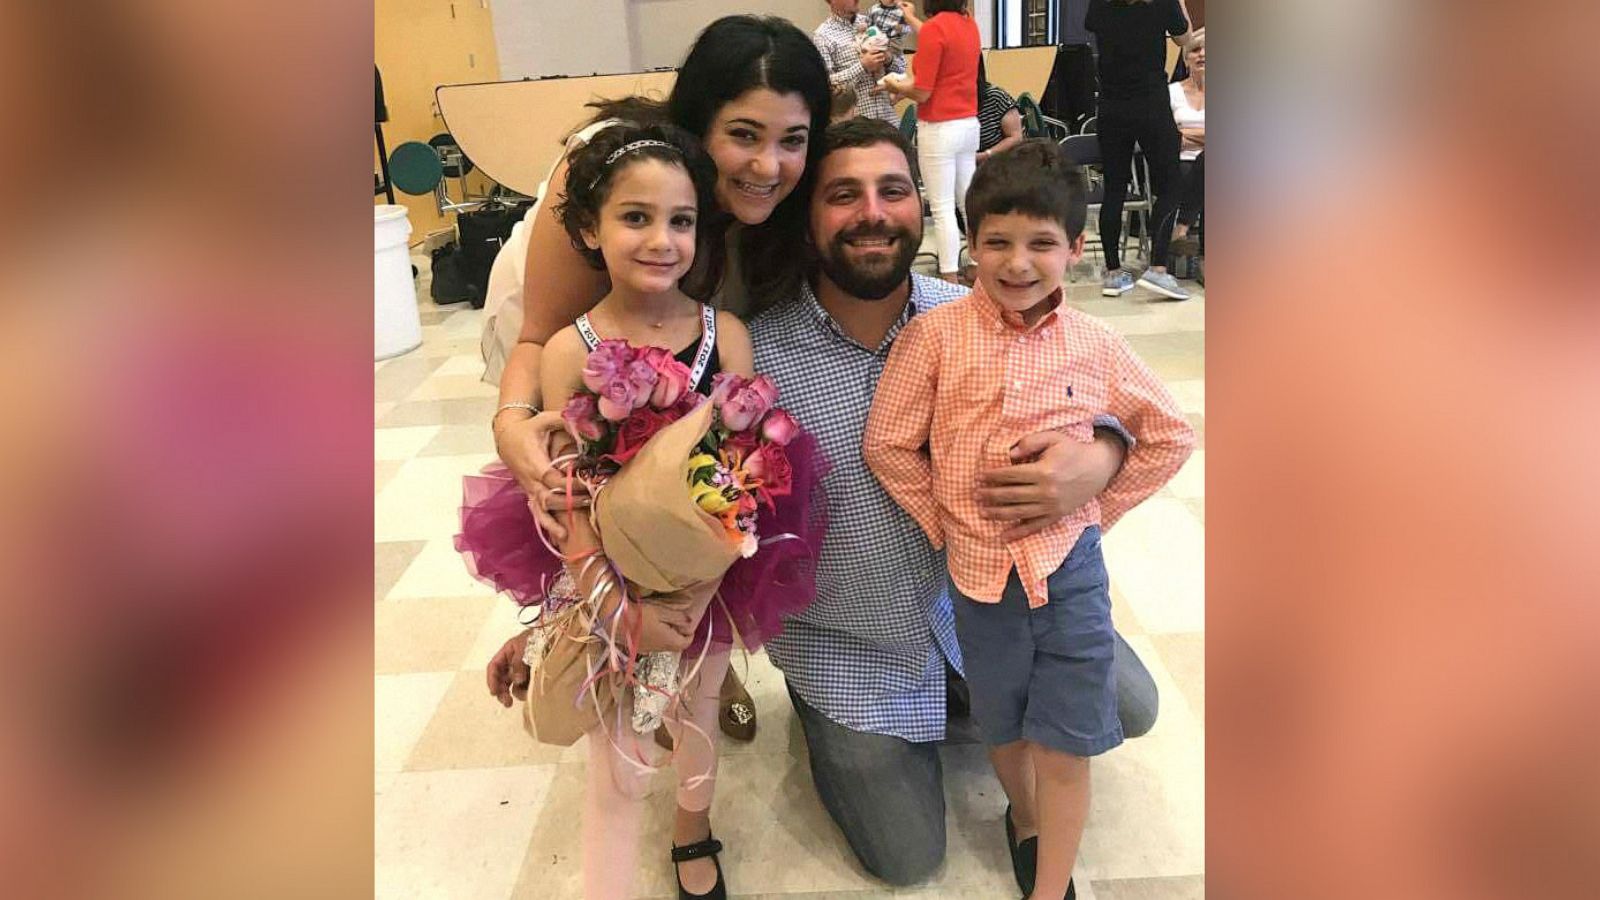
{"x": 963, "y": 384}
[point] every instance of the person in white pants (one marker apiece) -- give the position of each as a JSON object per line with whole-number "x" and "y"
{"x": 945, "y": 89}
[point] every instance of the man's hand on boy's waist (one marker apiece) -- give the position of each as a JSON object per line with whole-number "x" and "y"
{"x": 1053, "y": 477}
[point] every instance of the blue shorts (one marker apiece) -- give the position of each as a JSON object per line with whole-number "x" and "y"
{"x": 1044, "y": 674}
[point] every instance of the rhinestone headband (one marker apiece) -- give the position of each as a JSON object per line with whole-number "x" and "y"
{"x": 624, "y": 150}
{"x": 636, "y": 145}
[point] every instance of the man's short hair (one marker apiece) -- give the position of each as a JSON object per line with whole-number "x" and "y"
{"x": 1033, "y": 178}
{"x": 866, "y": 132}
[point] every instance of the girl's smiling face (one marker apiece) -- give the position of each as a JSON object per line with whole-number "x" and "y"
{"x": 646, "y": 227}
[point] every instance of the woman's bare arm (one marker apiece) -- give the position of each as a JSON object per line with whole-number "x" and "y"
{"x": 1011, "y": 127}
{"x": 559, "y": 286}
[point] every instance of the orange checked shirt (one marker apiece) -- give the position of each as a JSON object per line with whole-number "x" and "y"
{"x": 966, "y": 381}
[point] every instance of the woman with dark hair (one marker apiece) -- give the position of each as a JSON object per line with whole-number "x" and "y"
{"x": 755, "y": 92}
{"x": 999, "y": 120}
{"x": 945, "y": 89}
{"x": 1134, "y": 109}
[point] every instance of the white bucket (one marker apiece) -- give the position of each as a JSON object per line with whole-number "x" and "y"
{"x": 397, "y": 326}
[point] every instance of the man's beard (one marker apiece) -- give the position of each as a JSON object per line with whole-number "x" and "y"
{"x": 872, "y": 280}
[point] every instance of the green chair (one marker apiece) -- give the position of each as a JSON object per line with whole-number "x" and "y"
{"x": 908, "y": 123}
{"x": 414, "y": 168}
{"x": 1035, "y": 124}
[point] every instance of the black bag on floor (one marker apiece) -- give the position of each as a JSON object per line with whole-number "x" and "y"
{"x": 449, "y": 281}
{"x": 483, "y": 232}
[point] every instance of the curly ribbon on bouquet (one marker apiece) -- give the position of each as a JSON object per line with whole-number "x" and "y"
{"x": 616, "y": 657}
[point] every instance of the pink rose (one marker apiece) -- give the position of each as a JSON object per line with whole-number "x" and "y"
{"x": 619, "y": 397}
{"x": 770, "y": 464}
{"x": 764, "y": 387}
{"x": 779, "y": 427}
{"x": 643, "y": 376}
{"x": 746, "y": 406}
{"x": 672, "y": 377}
{"x": 724, "y": 384}
{"x": 582, "y": 415}
{"x": 604, "y": 362}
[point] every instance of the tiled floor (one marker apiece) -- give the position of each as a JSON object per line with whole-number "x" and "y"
{"x": 468, "y": 807}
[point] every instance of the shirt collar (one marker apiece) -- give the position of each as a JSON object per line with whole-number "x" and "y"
{"x": 820, "y": 314}
{"x": 1003, "y": 320}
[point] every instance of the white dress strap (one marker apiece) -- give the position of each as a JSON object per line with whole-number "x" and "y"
{"x": 702, "y": 357}
{"x": 708, "y": 341}
{"x": 590, "y": 339}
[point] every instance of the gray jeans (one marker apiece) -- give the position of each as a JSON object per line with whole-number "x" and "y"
{"x": 887, "y": 794}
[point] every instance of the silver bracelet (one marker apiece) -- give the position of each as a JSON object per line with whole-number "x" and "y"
{"x": 515, "y": 404}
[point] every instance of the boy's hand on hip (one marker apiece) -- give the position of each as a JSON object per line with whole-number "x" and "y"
{"x": 1052, "y": 476}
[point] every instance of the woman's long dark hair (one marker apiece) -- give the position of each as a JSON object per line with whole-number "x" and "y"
{"x": 733, "y": 55}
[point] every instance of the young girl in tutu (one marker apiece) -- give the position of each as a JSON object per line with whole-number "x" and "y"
{"x": 634, "y": 202}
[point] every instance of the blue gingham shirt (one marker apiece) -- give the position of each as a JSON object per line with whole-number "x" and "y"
{"x": 870, "y": 652}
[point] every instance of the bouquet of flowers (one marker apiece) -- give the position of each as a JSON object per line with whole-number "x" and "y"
{"x": 638, "y": 431}
{"x": 703, "y": 502}
{"x": 740, "y": 463}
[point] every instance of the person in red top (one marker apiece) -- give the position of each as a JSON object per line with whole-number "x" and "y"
{"x": 945, "y": 89}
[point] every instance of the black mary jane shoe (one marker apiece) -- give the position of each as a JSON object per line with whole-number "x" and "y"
{"x": 708, "y": 847}
{"x": 1025, "y": 860}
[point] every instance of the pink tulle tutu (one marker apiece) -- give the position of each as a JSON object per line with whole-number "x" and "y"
{"x": 500, "y": 543}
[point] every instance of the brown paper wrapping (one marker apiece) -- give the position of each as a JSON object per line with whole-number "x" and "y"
{"x": 668, "y": 548}
{"x": 650, "y": 528}
{"x": 549, "y": 714}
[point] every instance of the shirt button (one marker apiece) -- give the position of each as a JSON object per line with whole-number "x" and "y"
{"x": 1016, "y": 385}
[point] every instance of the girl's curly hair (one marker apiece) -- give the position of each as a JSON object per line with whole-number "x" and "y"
{"x": 589, "y": 177}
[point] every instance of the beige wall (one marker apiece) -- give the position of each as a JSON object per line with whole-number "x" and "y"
{"x": 419, "y": 45}
{"x": 567, "y": 37}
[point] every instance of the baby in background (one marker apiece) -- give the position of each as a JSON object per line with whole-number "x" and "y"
{"x": 885, "y": 28}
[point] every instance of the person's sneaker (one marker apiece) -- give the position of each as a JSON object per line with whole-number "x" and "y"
{"x": 1164, "y": 284}
{"x": 1116, "y": 284}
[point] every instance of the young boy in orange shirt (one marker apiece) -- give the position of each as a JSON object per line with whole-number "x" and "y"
{"x": 964, "y": 382}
